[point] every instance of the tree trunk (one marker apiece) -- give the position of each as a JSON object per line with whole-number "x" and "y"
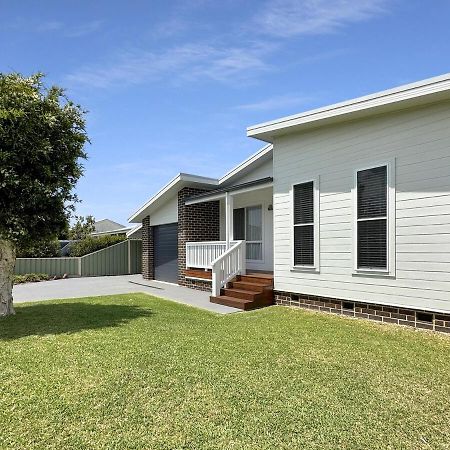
{"x": 7, "y": 262}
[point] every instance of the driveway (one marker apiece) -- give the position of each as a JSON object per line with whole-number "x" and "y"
{"x": 95, "y": 286}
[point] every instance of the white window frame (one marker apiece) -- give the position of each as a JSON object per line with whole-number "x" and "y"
{"x": 390, "y": 270}
{"x": 316, "y": 205}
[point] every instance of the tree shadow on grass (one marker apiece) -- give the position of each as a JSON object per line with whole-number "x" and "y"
{"x": 42, "y": 319}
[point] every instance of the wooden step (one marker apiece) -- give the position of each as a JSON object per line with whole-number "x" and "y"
{"x": 247, "y": 292}
{"x": 240, "y": 293}
{"x": 247, "y": 286}
{"x": 265, "y": 281}
{"x": 232, "y": 302}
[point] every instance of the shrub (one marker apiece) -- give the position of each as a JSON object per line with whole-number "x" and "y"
{"x": 30, "y": 277}
{"x": 93, "y": 243}
{"x": 41, "y": 249}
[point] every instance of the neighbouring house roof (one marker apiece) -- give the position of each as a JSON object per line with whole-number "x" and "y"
{"x": 123, "y": 230}
{"x": 106, "y": 225}
{"x": 183, "y": 179}
{"x": 410, "y": 95}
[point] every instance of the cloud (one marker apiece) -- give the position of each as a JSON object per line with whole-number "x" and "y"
{"x": 287, "y": 18}
{"x": 83, "y": 29}
{"x": 50, "y": 26}
{"x": 189, "y": 62}
{"x": 275, "y": 103}
{"x": 238, "y": 57}
{"x": 55, "y": 26}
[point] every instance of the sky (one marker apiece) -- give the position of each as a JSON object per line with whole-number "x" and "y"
{"x": 171, "y": 86}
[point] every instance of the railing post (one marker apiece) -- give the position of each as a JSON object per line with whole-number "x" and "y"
{"x": 243, "y": 258}
{"x": 216, "y": 285}
{"x": 228, "y": 219}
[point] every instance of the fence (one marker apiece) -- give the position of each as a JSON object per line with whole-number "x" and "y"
{"x": 119, "y": 259}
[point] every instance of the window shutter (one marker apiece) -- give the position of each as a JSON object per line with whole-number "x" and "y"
{"x": 304, "y": 224}
{"x": 304, "y": 203}
{"x": 372, "y": 218}
{"x": 372, "y": 244}
{"x": 304, "y": 245}
{"x": 372, "y": 193}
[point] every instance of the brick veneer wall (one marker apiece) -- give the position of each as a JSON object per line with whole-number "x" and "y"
{"x": 147, "y": 250}
{"x": 200, "y": 285}
{"x": 380, "y": 313}
{"x": 196, "y": 223}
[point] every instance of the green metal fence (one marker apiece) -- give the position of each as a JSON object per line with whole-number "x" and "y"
{"x": 119, "y": 259}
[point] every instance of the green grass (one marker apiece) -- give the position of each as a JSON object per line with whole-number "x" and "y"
{"x": 136, "y": 372}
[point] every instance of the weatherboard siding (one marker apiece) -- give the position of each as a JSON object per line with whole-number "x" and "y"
{"x": 166, "y": 213}
{"x": 419, "y": 140}
{"x": 262, "y": 171}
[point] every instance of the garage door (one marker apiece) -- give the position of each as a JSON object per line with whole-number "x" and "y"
{"x": 165, "y": 241}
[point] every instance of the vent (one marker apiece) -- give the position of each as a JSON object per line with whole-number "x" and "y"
{"x": 348, "y": 305}
{"x": 424, "y": 317}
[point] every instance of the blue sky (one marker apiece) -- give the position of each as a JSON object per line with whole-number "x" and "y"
{"x": 172, "y": 85}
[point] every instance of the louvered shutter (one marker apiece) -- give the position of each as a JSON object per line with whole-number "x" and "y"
{"x": 304, "y": 224}
{"x": 372, "y": 218}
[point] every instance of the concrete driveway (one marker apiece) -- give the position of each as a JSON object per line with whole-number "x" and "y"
{"x": 95, "y": 286}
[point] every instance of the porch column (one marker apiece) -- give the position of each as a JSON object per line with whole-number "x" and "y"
{"x": 228, "y": 219}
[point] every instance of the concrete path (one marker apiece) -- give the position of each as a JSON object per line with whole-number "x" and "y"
{"x": 95, "y": 286}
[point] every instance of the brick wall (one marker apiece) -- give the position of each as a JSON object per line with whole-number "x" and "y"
{"x": 387, "y": 314}
{"x": 147, "y": 250}
{"x": 196, "y": 223}
{"x": 200, "y": 285}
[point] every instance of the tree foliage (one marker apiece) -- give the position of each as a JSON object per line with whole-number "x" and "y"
{"x": 82, "y": 228}
{"x": 48, "y": 248}
{"x": 42, "y": 139}
{"x": 93, "y": 243}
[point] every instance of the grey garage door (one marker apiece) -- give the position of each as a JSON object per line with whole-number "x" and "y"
{"x": 165, "y": 241}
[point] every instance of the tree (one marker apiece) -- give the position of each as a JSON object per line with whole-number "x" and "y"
{"x": 82, "y": 228}
{"x": 42, "y": 139}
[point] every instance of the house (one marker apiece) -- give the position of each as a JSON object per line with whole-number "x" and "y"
{"x": 348, "y": 206}
{"x": 107, "y": 227}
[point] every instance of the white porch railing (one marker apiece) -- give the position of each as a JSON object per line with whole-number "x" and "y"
{"x": 227, "y": 266}
{"x": 200, "y": 255}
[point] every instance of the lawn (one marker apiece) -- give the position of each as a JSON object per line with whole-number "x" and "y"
{"x": 137, "y": 372}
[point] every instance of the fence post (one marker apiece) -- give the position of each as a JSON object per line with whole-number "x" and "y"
{"x": 129, "y": 257}
{"x": 79, "y": 266}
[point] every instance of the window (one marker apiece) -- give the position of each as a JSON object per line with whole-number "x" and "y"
{"x": 372, "y": 219}
{"x": 247, "y": 224}
{"x": 305, "y": 212}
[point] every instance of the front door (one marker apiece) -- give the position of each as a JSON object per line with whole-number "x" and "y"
{"x": 248, "y": 226}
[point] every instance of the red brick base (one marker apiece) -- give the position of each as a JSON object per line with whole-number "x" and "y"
{"x": 387, "y": 314}
{"x": 200, "y": 285}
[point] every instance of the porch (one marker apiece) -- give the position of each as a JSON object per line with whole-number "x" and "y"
{"x": 246, "y": 247}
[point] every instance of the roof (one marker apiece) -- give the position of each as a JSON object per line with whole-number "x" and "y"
{"x": 402, "y": 97}
{"x": 134, "y": 230}
{"x": 218, "y": 193}
{"x": 260, "y": 157}
{"x": 106, "y": 225}
{"x": 184, "y": 179}
{"x": 122, "y": 230}
{"x": 168, "y": 191}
